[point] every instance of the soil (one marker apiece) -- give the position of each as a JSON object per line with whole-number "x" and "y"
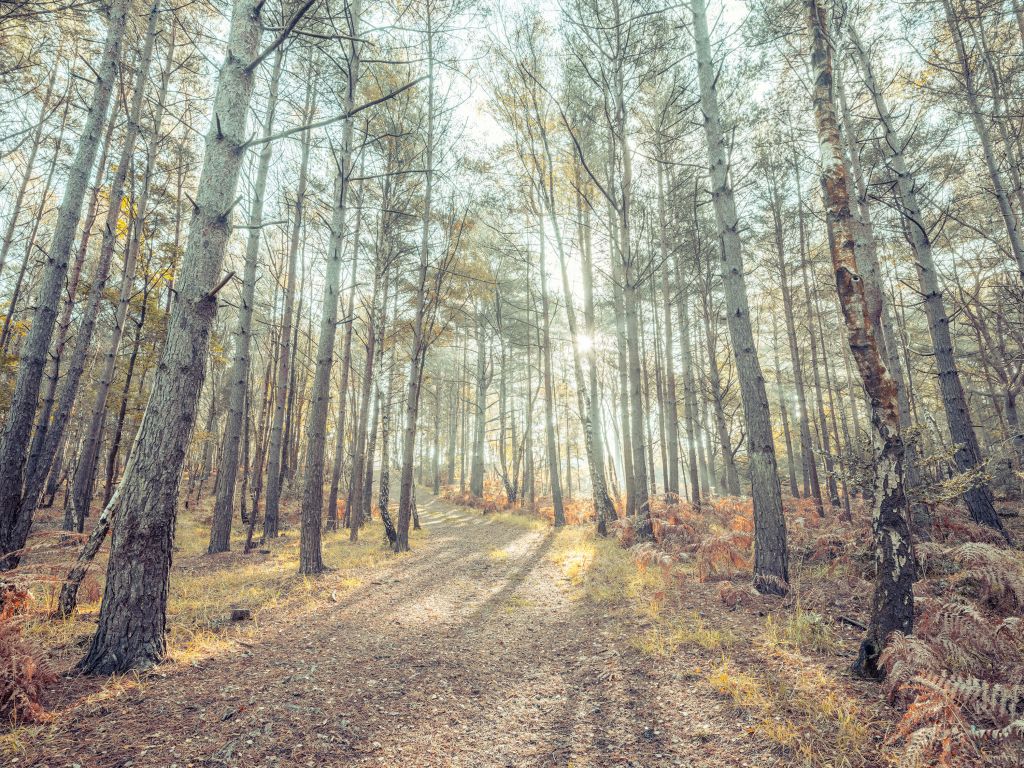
{"x": 474, "y": 650}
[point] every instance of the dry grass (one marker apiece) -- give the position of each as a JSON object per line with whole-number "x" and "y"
{"x": 800, "y": 709}
{"x": 204, "y": 588}
{"x": 664, "y": 639}
{"x": 770, "y": 669}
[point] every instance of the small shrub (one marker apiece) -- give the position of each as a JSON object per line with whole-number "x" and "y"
{"x": 23, "y": 674}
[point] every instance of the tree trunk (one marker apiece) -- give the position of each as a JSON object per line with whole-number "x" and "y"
{"x": 14, "y": 442}
{"x": 220, "y": 529}
{"x": 967, "y": 452}
{"x": 893, "y": 600}
{"x": 310, "y": 555}
{"x": 771, "y": 561}
{"x": 132, "y": 620}
{"x": 549, "y": 395}
{"x": 418, "y": 351}
{"x": 85, "y": 471}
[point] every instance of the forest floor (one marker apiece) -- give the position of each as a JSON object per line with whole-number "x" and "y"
{"x": 496, "y": 642}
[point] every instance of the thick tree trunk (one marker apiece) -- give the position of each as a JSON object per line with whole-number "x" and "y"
{"x": 132, "y": 620}
{"x": 771, "y": 561}
{"x": 893, "y": 601}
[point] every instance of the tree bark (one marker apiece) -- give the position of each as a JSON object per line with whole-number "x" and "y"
{"x": 132, "y": 620}
{"x": 771, "y": 560}
{"x": 893, "y": 600}
{"x": 14, "y": 442}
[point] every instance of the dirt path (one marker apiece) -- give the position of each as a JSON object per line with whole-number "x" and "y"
{"x": 472, "y": 651}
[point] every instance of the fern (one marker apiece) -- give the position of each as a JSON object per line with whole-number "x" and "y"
{"x": 959, "y": 675}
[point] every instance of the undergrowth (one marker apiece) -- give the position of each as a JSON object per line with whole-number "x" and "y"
{"x": 959, "y": 675}
{"x": 202, "y": 592}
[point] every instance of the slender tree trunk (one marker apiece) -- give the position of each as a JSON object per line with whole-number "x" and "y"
{"x": 691, "y": 418}
{"x": 19, "y": 198}
{"x": 476, "y": 467}
{"x": 418, "y": 352}
{"x": 346, "y": 372}
{"x": 771, "y": 561}
{"x": 310, "y": 555}
{"x": 220, "y": 529}
{"x": 277, "y": 449}
{"x": 549, "y": 394}
{"x": 85, "y": 471}
{"x": 14, "y": 441}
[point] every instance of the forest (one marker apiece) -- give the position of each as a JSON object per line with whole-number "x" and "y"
{"x": 544, "y": 383}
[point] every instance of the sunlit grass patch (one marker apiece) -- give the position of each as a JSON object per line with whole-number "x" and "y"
{"x": 15, "y": 741}
{"x": 604, "y": 571}
{"x": 499, "y": 554}
{"x": 521, "y": 520}
{"x": 516, "y": 603}
{"x": 801, "y": 711}
{"x": 667, "y": 637}
{"x": 802, "y": 630}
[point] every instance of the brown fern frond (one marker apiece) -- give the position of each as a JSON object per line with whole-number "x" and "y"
{"x": 725, "y": 555}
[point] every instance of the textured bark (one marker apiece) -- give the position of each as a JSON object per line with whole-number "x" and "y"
{"x": 893, "y": 600}
{"x": 967, "y": 452}
{"x": 132, "y": 621}
{"x": 238, "y": 378}
{"x": 771, "y": 561}
{"x": 879, "y": 306}
{"x": 32, "y": 360}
